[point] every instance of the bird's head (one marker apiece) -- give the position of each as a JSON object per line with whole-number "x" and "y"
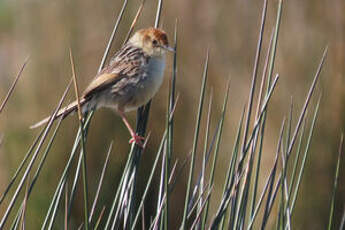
{"x": 154, "y": 42}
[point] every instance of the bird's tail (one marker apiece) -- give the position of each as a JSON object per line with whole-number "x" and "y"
{"x": 62, "y": 112}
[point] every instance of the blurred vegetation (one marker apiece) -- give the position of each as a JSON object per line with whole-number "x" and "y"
{"x": 46, "y": 29}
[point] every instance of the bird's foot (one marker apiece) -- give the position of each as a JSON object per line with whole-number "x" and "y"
{"x": 138, "y": 140}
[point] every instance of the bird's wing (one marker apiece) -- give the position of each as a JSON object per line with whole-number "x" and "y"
{"x": 126, "y": 65}
{"x": 101, "y": 82}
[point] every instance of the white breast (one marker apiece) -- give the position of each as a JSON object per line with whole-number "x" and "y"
{"x": 155, "y": 69}
{"x": 149, "y": 85}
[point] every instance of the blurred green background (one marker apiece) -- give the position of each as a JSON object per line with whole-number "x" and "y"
{"x": 46, "y": 29}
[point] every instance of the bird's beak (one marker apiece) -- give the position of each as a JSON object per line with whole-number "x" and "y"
{"x": 168, "y": 48}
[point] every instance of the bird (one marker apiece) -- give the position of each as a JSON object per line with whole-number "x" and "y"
{"x": 131, "y": 78}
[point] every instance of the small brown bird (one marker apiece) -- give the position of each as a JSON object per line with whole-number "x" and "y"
{"x": 132, "y": 77}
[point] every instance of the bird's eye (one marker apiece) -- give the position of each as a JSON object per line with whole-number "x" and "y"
{"x": 154, "y": 42}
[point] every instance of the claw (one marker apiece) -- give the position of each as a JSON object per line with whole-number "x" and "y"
{"x": 137, "y": 139}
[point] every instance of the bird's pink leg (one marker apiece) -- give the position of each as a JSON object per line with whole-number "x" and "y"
{"x": 135, "y": 138}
